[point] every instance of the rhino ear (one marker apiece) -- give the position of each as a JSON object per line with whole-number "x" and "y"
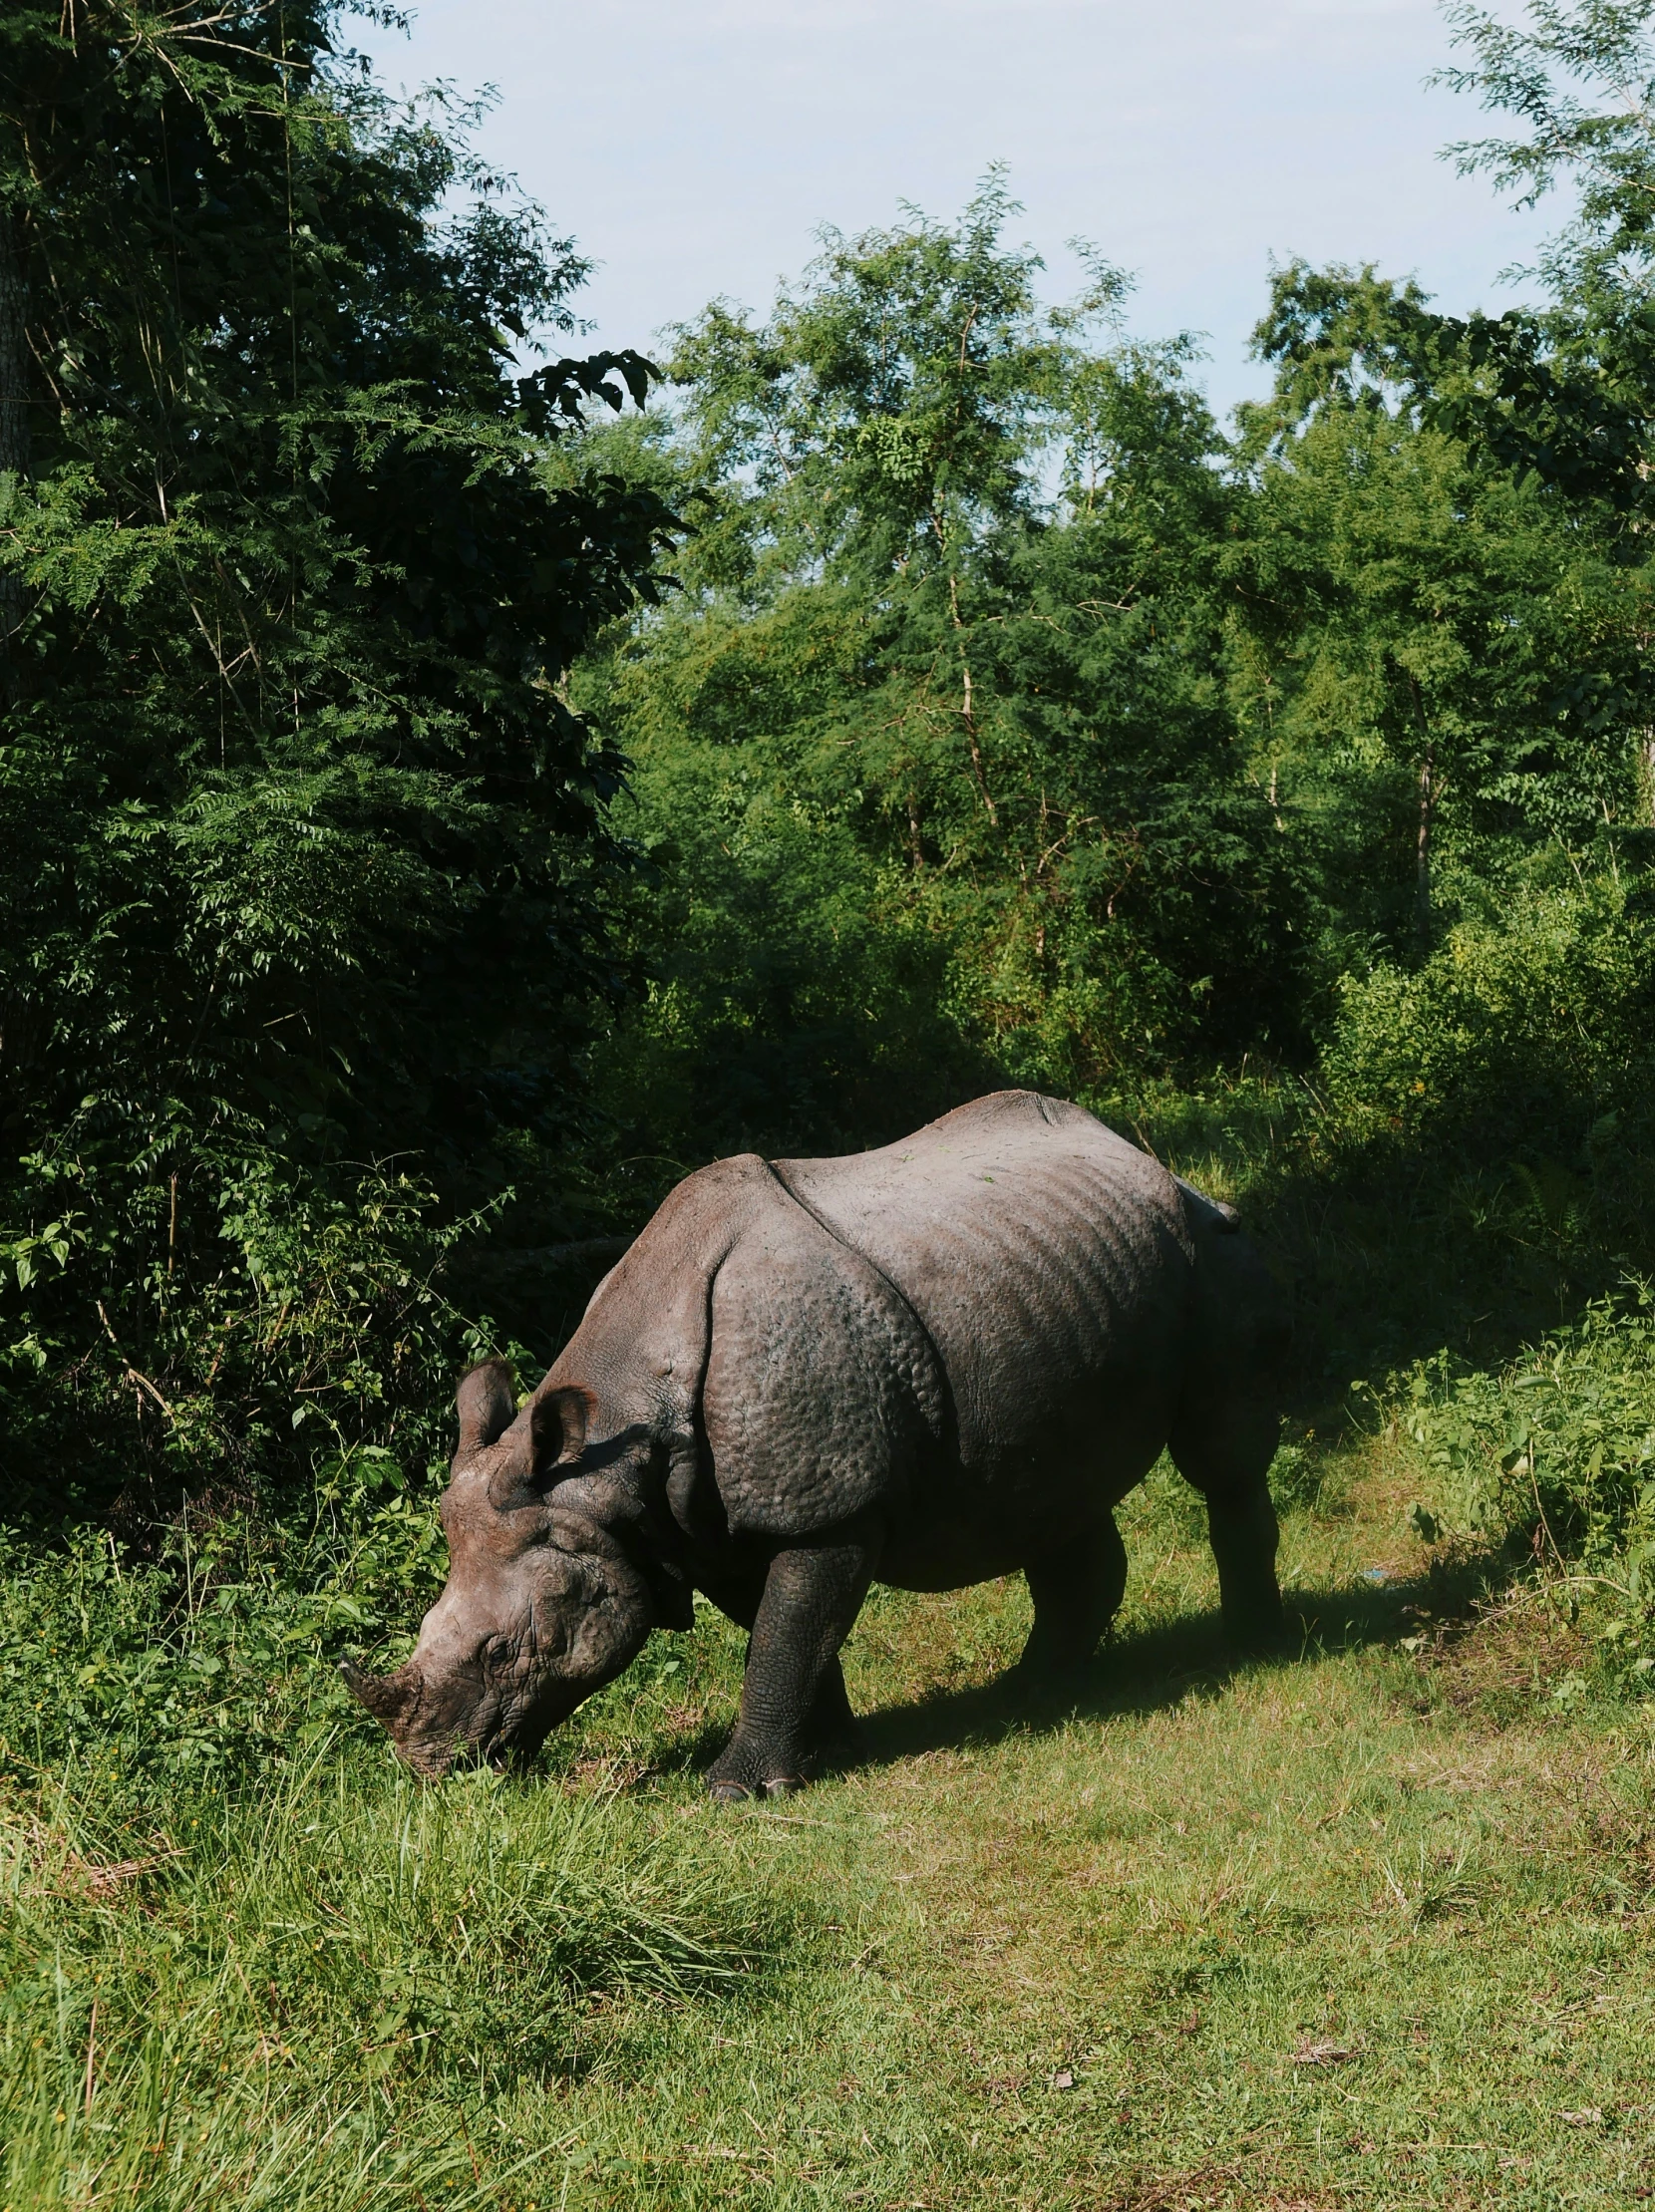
{"x": 487, "y": 1403}
{"x": 558, "y": 1421}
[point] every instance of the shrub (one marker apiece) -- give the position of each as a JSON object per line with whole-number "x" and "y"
{"x": 217, "y": 1653}
{"x": 1557, "y": 1450}
{"x": 1527, "y": 1021}
{"x": 307, "y": 1331}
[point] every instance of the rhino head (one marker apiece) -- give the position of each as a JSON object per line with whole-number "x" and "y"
{"x": 541, "y": 1606}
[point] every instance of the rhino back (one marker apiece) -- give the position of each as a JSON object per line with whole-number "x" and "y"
{"x": 1049, "y": 1262}
{"x": 963, "y": 1329}
{"x": 765, "y": 1355}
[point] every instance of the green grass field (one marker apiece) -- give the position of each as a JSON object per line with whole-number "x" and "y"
{"x": 1372, "y": 1926}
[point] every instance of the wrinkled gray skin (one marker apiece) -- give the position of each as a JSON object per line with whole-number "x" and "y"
{"x": 930, "y": 1365}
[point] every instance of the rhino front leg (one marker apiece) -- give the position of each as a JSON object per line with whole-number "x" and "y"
{"x": 792, "y": 1689}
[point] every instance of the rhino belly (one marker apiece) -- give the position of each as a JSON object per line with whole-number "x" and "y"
{"x": 959, "y": 1524}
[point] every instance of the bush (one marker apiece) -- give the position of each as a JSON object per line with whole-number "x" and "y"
{"x": 1557, "y": 1450}
{"x": 218, "y": 1653}
{"x": 307, "y": 1331}
{"x": 1531, "y": 1020}
{"x": 793, "y": 1003}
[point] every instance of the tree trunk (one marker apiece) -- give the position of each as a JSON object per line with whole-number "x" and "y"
{"x": 14, "y": 351}
{"x": 1422, "y": 855}
{"x": 968, "y": 713}
{"x": 1646, "y": 774}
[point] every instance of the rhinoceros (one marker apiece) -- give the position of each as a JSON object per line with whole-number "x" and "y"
{"x": 928, "y": 1365}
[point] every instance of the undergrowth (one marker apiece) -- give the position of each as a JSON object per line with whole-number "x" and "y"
{"x": 1370, "y": 1921}
{"x": 213, "y": 1651}
{"x": 1556, "y": 1452}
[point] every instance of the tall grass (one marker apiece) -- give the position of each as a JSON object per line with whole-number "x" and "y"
{"x": 308, "y": 1995}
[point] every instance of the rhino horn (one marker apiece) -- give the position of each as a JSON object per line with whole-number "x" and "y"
{"x": 389, "y": 1697}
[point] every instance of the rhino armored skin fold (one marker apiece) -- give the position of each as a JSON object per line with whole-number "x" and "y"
{"x": 928, "y": 1365}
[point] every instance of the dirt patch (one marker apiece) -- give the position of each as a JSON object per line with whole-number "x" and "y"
{"x": 1218, "y": 2189}
{"x": 1510, "y": 1652}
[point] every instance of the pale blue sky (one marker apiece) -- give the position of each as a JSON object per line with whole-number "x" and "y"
{"x": 694, "y": 146}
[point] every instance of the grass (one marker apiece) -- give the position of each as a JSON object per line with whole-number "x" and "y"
{"x": 1369, "y": 1926}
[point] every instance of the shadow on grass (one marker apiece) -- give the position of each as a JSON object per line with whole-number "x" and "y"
{"x": 1151, "y": 1669}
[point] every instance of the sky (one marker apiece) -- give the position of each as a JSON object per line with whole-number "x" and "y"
{"x": 695, "y": 146}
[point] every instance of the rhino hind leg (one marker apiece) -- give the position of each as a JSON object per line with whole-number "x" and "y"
{"x": 1077, "y": 1588}
{"x": 1224, "y": 1451}
{"x": 793, "y": 1705}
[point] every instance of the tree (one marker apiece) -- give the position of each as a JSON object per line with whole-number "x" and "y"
{"x": 1433, "y": 611}
{"x": 955, "y": 590}
{"x": 300, "y": 847}
{"x": 1570, "y": 388}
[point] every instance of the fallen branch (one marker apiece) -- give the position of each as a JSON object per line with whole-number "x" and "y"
{"x": 138, "y": 1380}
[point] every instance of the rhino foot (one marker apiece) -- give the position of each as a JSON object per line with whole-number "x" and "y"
{"x": 745, "y": 1768}
{"x": 730, "y": 1793}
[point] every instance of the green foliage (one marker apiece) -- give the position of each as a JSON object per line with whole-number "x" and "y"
{"x": 794, "y": 998}
{"x": 301, "y": 850}
{"x": 1011, "y": 711}
{"x": 1564, "y": 391}
{"x": 1445, "y": 660}
{"x": 210, "y": 1649}
{"x": 1577, "y": 79}
{"x": 1557, "y": 1450}
{"x": 1531, "y": 1022}
{"x": 896, "y": 407}
{"x": 1169, "y": 768}
{"x": 304, "y": 1327}
{"x": 285, "y": 754}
